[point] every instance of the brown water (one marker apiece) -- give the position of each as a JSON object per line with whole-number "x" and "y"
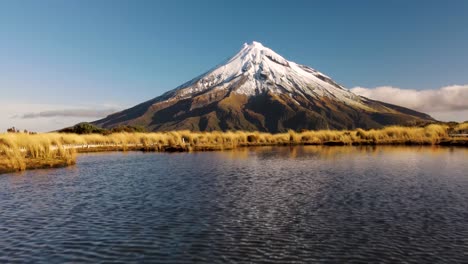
{"x": 280, "y": 204}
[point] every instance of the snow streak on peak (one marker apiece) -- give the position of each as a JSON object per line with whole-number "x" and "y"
{"x": 254, "y": 43}
{"x": 256, "y": 69}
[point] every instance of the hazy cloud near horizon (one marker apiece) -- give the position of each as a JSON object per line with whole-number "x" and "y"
{"x": 49, "y": 117}
{"x": 85, "y": 113}
{"x": 449, "y": 103}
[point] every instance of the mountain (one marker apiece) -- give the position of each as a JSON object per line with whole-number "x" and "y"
{"x": 258, "y": 89}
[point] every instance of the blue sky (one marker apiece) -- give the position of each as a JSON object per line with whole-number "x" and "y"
{"x": 98, "y": 54}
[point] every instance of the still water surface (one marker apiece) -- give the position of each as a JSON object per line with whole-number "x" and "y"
{"x": 271, "y": 204}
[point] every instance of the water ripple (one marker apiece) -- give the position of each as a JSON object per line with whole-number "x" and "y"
{"x": 275, "y": 205}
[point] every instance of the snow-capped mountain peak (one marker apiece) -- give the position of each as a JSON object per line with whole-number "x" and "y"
{"x": 258, "y": 89}
{"x": 256, "y": 69}
{"x": 256, "y": 53}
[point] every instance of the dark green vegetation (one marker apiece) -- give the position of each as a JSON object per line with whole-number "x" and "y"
{"x": 87, "y": 128}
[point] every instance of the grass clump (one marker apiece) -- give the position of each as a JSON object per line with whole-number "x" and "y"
{"x": 21, "y": 151}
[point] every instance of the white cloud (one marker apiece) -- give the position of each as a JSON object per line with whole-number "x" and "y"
{"x": 448, "y": 103}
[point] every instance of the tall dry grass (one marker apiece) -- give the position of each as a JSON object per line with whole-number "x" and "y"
{"x": 18, "y": 150}
{"x": 463, "y": 127}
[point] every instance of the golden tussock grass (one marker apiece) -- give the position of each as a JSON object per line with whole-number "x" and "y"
{"x": 20, "y": 151}
{"x": 23, "y": 151}
{"x": 463, "y": 127}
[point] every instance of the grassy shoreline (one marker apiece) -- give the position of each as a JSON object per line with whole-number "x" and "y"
{"x": 20, "y": 151}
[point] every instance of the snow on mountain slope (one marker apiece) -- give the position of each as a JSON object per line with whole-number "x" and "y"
{"x": 266, "y": 71}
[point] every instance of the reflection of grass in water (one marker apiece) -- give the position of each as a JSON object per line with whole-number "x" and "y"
{"x": 331, "y": 152}
{"x": 22, "y": 151}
